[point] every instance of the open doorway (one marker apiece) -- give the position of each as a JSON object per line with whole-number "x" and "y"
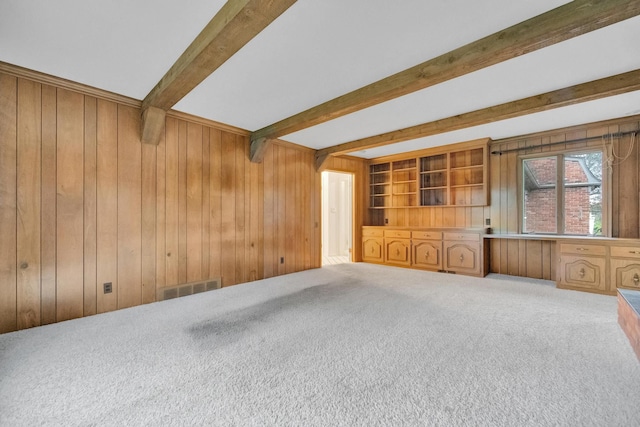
{"x": 337, "y": 217}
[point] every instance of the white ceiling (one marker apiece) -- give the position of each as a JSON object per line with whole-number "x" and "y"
{"x": 316, "y": 51}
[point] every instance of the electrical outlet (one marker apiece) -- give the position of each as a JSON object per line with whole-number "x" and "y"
{"x": 487, "y": 221}
{"x": 108, "y": 288}
{"x": 386, "y": 220}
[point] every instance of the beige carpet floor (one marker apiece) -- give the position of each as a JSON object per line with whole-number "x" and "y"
{"x": 352, "y": 345}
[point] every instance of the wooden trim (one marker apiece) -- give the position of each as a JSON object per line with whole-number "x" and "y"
{"x": 235, "y": 24}
{"x": 565, "y": 22}
{"x": 207, "y": 122}
{"x": 59, "y": 82}
{"x": 288, "y": 144}
{"x": 476, "y": 143}
{"x": 604, "y": 123}
{"x": 597, "y": 89}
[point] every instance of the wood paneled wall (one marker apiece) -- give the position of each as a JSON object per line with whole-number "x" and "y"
{"x": 536, "y": 259}
{"x": 83, "y": 203}
{"x": 523, "y": 257}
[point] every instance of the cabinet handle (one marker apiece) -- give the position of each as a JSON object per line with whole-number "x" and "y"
{"x": 636, "y": 279}
{"x": 372, "y": 249}
{"x": 426, "y": 255}
{"x": 461, "y": 258}
{"x": 398, "y": 252}
{"x": 582, "y": 273}
{"x": 581, "y": 249}
{"x": 634, "y": 252}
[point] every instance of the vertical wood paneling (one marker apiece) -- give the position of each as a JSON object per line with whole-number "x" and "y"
{"x": 148, "y": 213}
{"x": 206, "y": 200}
{"x": 70, "y": 204}
{"x": 28, "y": 203}
{"x": 90, "y": 201}
{"x": 228, "y": 204}
{"x": 269, "y": 213}
{"x": 194, "y": 203}
{"x": 628, "y": 204}
{"x": 171, "y": 202}
{"x": 84, "y": 203}
{"x": 183, "y": 252}
{"x": 215, "y": 203}
{"x": 240, "y": 219}
{"x": 48, "y": 208}
{"x": 107, "y": 205}
{"x": 281, "y": 198}
{"x": 129, "y": 208}
{"x": 8, "y": 158}
{"x": 161, "y": 212}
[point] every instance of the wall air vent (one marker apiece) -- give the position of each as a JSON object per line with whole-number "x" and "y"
{"x": 188, "y": 289}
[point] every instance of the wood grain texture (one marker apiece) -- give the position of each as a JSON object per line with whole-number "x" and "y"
{"x": 104, "y": 208}
{"x": 194, "y": 203}
{"x": 107, "y": 205}
{"x": 8, "y": 213}
{"x": 171, "y": 203}
{"x": 570, "y": 20}
{"x": 601, "y": 88}
{"x": 70, "y": 205}
{"x": 90, "y": 205}
{"x": 148, "y": 217}
{"x": 48, "y": 207}
{"x": 215, "y": 203}
{"x": 29, "y": 149}
{"x": 129, "y": 208}
{"x": 235, "y": 24}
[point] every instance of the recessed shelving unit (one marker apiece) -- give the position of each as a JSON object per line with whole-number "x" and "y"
{"x": 432, "y": 178}
{"x": 380, "y": 184}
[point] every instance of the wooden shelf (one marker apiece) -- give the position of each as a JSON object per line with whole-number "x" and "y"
{"x": 452, "y": 178}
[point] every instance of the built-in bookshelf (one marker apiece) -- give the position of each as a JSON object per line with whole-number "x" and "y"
{"x": 380, "y": 183}
{"x": 451, "y": 178}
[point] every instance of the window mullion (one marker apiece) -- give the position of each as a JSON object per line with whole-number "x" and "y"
{"x": 560, "y": 206}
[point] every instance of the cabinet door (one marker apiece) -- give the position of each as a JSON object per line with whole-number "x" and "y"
{"x": 462, "y": 257}
{"x": 427, "y": 254}
{"x": 397, "y": 252}
{"x": 583, "y": 272}
{"x": 625, "y": 274}
{"x": 372, "y": 249}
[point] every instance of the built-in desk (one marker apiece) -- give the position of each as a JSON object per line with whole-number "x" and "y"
{"x": 592, "y": 264}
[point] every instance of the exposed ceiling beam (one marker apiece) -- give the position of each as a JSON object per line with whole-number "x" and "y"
{"x": 570, "y": 20}
{"x": 609, "y": 86}
{"x": 235, "y": 24}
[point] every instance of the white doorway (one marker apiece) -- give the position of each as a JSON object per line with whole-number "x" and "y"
{"x": 337, "y": 217}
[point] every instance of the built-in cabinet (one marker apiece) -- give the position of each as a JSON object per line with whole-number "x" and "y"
{"x": 447, "y": 250}
{"x": 599, "y": 265}
{"x": 431, "y": 178}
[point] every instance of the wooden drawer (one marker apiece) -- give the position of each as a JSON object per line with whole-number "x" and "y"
{"x": 462, "y": 237}
{"x": 427, "y": 254}
{"x": 625, "y": 252}
{"x": 583, "y": 272}
{"x": 373, "y": 232}
{"x": 625, "y": 274}
{"x": 462, "y": 257}
{"x": 426, "y": 235}
{"x": 397, "y": 251}
{"x": 372, "y": 249}
{"x": 400, "y": 234}
{"x": 580, "y": 249}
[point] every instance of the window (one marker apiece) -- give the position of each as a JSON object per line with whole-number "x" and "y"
{"x": 563, "y": 194}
